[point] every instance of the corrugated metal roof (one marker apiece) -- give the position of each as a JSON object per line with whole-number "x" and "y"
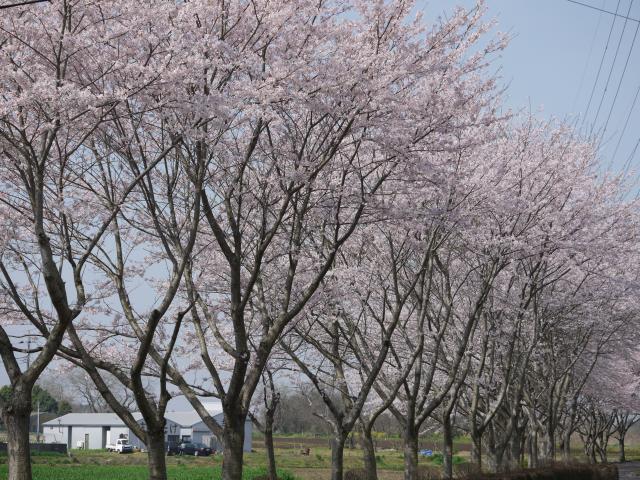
{"x": 184, "y": 419}
{"x": 87, "y": 419}
{"x": 191, "y": 418}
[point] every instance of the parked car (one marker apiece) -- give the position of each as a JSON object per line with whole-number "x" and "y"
{"x": 202, "y": 449}
{"x": 197, "y": 449}
{"x": 121, "y": 446}
{"x": 173, "y": 448}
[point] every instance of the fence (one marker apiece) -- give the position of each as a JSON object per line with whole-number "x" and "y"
{"x": 41, "y": 448}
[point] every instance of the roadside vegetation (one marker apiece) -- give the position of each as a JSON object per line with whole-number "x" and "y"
{"x": 293, "y": 465}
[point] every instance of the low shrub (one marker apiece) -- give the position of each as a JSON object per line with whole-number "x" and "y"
{"x": 465, "y": 470}
{"x": 355, "y": 474}
{"x": 428, "y": 473}
{"x": 559, "y": 471}
{"x": 424, "y": 473}
{"x": 438, "y": 459}
{"x": 281, "y": 476}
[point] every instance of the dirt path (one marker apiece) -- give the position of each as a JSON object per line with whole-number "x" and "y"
{"x": 629, "y": 471}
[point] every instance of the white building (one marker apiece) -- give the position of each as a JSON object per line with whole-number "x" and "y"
{"x": 97, "y": 430}
{"x": 194, "y": 429}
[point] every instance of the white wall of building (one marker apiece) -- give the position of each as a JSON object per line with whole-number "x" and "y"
{"x": 100, "y": 436}
{"x": 55, "y": 434}
{"x": 114, "y": 433}
{"x": 80, "y": 433}
{"x": 186, "y": 432}
{"x": 136, "y": 442}
{"x": 202, "y": 434}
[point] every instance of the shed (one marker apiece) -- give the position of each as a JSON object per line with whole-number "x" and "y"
{"x": 97, "y": 430}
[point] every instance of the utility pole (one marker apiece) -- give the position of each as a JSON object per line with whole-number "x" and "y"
{"x": 38, "y": 424}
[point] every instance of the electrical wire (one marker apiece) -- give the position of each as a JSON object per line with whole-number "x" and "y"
{"x": 624, "y": 70}
{"x": 626, "y": 123}
{"x": 603, "y": 10}
{"x": 613, "y": 64}
{"x": 631, "y": 156}
{"x": 586, "y": 65}
{"x": 606, "y": 47}
{"x": 20, "y": 4}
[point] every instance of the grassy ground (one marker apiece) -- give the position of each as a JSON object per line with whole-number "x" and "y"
{"x": 132, "y": 472}
{"x": 101, "y": 465}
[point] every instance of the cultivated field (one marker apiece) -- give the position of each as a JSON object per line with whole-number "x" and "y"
{"x": 100, "y": 465}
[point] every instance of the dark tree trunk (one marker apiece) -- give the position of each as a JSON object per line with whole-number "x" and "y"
{"x": 369, "y": 455}
{"x": 621, "y": 453}
{"x": 476, "y": 451}
{"x": 566, "y": 446}
{"x": 494, "y": 460}
{"x": 16, "y": 417}
{"x": 410, "y": 453}
{"x": 156, "y": 455}
{"x": 602, "y": 450}
{"x": 495, "y": 456}
{"x": 447, "y": 448}
{"x": 337, "y": 457}
{"x": 533, "y": 450}
{"x": 550, "y": 453}
{"x": 515, "y": 450}
{"x": 268, "y": 444}
{"x": 592, "y": 452}
{"x": 233, "y": 443}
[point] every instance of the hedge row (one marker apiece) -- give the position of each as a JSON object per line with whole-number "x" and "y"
{"x": 574, "y": 471}
{"x": 562, "y": 471}
{"x": 424, "y": 473}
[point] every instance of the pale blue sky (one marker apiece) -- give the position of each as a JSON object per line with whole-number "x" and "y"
{"x": 553, "y": 60}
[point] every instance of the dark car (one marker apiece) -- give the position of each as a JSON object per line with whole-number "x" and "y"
{"x": 197, "y": 449}
{"x": 173, "y": 448}
{"x": 200, "y": 449}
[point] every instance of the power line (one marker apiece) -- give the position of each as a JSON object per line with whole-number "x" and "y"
{"x": 586, "y": 65}
{"x": 20, "y": 4}
{"x": 606, "y": 47}
{"x": 630, "y": 159}
{"x": 605, "y": 11}
{"x": 613, "y": 64}
{"x": 624, "y": 70}
{"x": 626, "y": 123}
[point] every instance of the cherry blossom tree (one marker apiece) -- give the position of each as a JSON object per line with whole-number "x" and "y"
{"x": 160, "y": 232}
{"x": 323, "y": 187}
{"x": 300, "y": 113}
{"x": 567, "y": 306}
{"x": 61, "y": 76}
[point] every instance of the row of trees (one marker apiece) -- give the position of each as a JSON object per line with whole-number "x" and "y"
{"x": 492, "y": 314}
{"x": 199, "y": 195}
{"x": 41, "y": 399}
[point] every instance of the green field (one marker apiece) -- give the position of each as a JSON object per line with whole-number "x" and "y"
{"x": 102, "y": 465}
{"x": 131, "y": 472}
